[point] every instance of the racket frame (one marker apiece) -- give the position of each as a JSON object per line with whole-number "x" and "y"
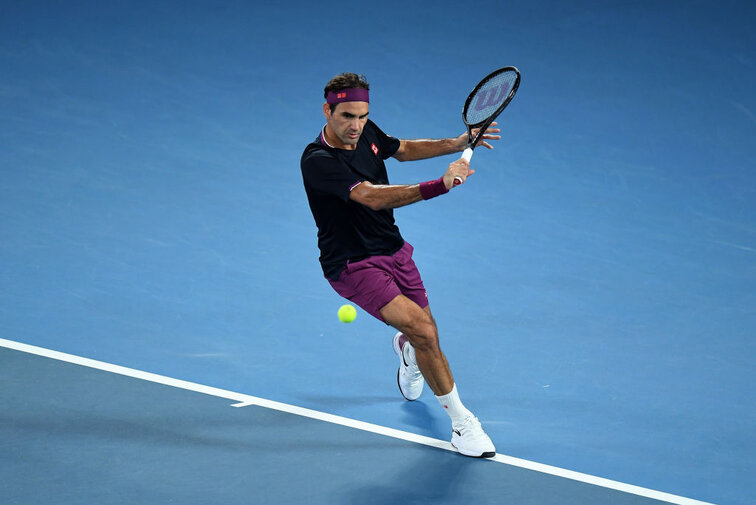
{"x": 483, "y": 125}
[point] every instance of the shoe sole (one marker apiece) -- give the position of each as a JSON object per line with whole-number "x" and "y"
{"x": 400, "y": 386}
{"x": 487, "y": 454}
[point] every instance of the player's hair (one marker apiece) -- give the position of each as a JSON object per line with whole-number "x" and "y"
{"x": 346, "y": 80}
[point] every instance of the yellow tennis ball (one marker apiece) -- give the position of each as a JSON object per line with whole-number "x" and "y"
{"x": 347, "y": 313}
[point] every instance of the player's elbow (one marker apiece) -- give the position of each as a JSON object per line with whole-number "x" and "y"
{"x": 368, "y": 195}
{"x": 401, "y": 156}
{"x": 374, "y": 204}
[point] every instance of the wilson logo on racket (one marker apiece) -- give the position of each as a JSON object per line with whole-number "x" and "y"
{"x": 484, "y": 103}
{"x": 374, "y": 148}
{"x": 491, "y": 97}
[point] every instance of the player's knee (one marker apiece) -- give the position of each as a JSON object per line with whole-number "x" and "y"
{"x": 424, "y": 335}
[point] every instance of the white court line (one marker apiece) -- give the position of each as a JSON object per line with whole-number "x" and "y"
{"x": 243, "y": 400}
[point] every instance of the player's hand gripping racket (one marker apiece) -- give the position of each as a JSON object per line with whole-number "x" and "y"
{"x": 485, "y": 103}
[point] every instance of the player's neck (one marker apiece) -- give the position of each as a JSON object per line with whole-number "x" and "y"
{"x": 333, "y": 141}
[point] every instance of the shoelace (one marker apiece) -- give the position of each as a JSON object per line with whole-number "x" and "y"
{"x": 471, "y": 425}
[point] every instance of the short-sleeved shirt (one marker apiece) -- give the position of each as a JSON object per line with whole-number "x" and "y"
{"x": 347, "y": 230}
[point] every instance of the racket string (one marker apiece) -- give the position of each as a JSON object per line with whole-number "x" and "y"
{"x": 489, "y": 97}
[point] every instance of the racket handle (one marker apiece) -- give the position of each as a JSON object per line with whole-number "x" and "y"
{"x": 466, "y": 155}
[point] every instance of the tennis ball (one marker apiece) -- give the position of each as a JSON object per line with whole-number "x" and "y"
{"x": 347, "y": 313}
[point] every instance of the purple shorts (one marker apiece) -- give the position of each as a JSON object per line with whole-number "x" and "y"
{"x": 373, "y": 282}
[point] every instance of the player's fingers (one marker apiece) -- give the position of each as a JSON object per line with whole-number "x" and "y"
{"x": 462, "y": 177}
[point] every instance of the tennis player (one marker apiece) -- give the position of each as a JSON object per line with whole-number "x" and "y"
{"x": 362, "y": 253}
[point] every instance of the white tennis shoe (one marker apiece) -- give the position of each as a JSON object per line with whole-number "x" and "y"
{"x": 409, "y": 377}
{"x": 469, "y": 439}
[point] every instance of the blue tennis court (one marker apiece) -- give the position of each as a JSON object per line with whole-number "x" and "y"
{"x": 594, "y": 282}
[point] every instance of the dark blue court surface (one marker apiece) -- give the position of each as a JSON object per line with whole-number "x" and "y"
{"x": 594, "y": 282}
{"x": 72, "y": 435}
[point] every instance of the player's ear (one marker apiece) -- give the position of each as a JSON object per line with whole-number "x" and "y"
{"x": 327, "y": 110}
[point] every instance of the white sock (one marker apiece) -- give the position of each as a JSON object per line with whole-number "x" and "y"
{"x": 453, "y": 406}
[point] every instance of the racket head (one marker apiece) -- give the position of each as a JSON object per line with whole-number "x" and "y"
{"x": 486, "y": 101}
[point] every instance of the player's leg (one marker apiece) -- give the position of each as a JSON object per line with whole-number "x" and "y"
{"x": 420, "y": 328}
{"x": 374, "y": 285}
{"x": 369, "y": 283}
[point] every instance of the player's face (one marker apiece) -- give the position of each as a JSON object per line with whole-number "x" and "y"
{"x": 346, "y": 122}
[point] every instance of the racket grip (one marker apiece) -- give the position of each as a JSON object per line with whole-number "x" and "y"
{"x": 466, "y": 155}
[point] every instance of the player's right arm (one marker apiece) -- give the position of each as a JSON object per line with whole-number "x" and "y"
{"x": 382, "y": 196}
{"x": 392, "y": 196}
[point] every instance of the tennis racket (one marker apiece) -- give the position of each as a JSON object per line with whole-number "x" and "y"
{"x": 486, "y": 101}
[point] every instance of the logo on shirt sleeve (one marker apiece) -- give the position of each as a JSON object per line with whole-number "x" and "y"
{"x": 374, "y": 148}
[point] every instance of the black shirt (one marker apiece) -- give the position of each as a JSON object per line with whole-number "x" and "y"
{"x": 348, "y": 230}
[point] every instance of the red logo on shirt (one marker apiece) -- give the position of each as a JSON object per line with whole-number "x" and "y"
{"x": 374, "y": 148}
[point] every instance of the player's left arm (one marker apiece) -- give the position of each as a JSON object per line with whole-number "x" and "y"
{"x": 420, "y": 149}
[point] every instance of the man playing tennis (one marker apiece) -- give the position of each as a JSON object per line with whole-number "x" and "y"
{"x": 362, "y": 253}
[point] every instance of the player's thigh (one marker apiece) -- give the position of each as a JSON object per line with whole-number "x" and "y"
{"x": 408, "y": 317}
{"x": 407, "y": 276}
